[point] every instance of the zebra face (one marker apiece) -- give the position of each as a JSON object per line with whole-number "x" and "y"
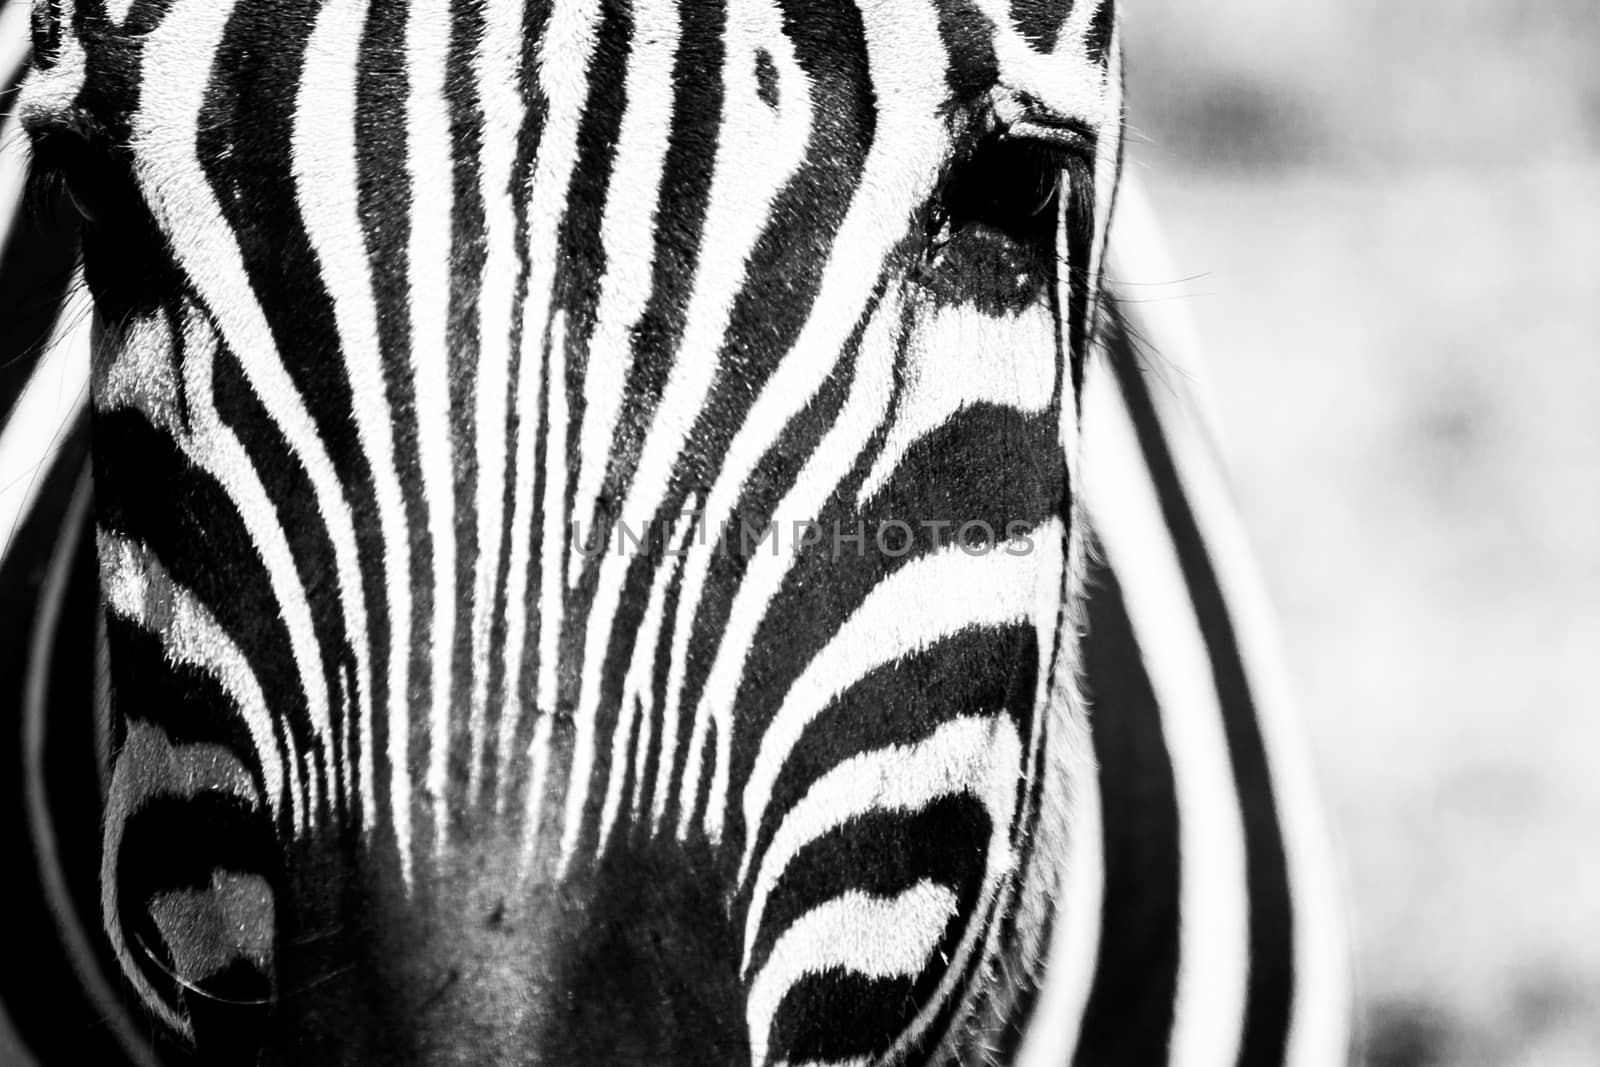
{"x": 584, "y": 499}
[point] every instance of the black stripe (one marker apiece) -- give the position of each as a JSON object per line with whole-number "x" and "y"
{"x": 245, "y": 140}
{"x": 685, "y": 193}
{"x": 1271, "y": 980}
{"x": 581, "y": 268}
{"x": 882, "y": 853}
{"x": 45, "y": 25}
{"x": 1128, "y": 1017}
{"x": 187, "y": 521}
{"x": 974, "y": 672}
{"x": 509, "y": 779}
{"x": 383, "y": 182}
{"x": 760, "y": 497}
{"x": 685, "y": 196}
{"x": 946, "y": 475}
{"x": 468, "y": 239}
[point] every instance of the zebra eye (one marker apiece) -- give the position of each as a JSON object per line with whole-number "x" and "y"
{"x": 84, "y": 170}
{"x": 993, "y": 229}
{"x": 81, "y": 180}
{"x": 1012, "y": 184}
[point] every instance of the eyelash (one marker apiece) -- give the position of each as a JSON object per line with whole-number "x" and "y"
{"x": 60, "y": 161}
{"x": 1007, "y": 181}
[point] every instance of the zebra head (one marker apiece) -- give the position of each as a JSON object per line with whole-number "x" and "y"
{"x": 584, "y": 498}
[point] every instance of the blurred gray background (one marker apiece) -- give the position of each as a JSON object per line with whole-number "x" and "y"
{"x": 1386, "y": 222}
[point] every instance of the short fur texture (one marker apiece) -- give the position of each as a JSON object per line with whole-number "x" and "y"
{"x": 588, "y": 508}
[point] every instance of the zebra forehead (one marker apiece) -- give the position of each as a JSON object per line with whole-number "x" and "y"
{"x": 968, "y": 28}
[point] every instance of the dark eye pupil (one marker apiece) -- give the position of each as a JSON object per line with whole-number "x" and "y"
{"x": 1008, "y": 184}
{"x": 992, "y": 233}
{"x": 82, "y": 170}
{"x": 84, "y": 183}
{"x": 93, "y": 174}
{"x": 82, "y": 200}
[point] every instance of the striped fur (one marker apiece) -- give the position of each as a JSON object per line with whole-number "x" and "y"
{"x": 449, "y": 353}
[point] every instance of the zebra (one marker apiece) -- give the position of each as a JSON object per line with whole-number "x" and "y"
{"x": 626, "y": 532}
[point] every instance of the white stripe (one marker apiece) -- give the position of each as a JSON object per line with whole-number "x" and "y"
{"x": 428, "y": 161}
{"x": 313, "y": 783}
{"x": 1076, "y": 28}
{"x": 642, "y": 750}
{"x": 563, "y": 74}
{"x": 132, "y": 580}
{"x": 1320, "y": 1021}
{"x": 958, "y": 356}
{"x": 1068, "y": 841}
{"x": 1319, "y": 1034}
{"x": 900, "y": 169}
{"x": 551, "y": 400}
{"x": 533, "y": 804}
{"x": 499, "y": 71}
{"x": 1060, "y": 758}
{"x": 757, "y": 154}
{"x": 630, "y": 217}
{"x": 1320, "y": 1026}
{"x": 974, "y": 754}
{"x": 1071, "y": 958}
{"x": 569, "y": 37}
{"x": 48, "y": 94}
{"x": 834, "y": 458}
{"x": 1066, "y": 81}
{"x": 1213, "y": 950}
{"x": 552, "y": 591}
{"x": 214, "y": 448}
{"x": 348, "y": 714}
{"x": 138, "y": 371}
{"x": 879, "y": 937}
{"x": 924, "y": 601}
{"x": 327, "y": 189}
{"x": 141, "y": 374}
{"x": 645, "y": 647}
{"x": 638, "y": 701}
{"x": 32, "y": 432}
{"x": 178, "y": 58}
